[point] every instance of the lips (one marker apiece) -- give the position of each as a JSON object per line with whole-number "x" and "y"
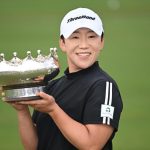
{"x": 83, "y": 53}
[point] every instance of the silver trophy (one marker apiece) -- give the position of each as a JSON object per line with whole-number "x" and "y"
{"x": 21, "y": 79}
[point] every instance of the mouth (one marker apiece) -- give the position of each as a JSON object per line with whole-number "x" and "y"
{"x": 83, "y": 53}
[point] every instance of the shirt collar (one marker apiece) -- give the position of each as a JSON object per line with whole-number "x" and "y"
{"x": 81, "y": 72}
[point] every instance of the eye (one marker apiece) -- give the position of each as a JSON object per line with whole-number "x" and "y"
{"x": 92, "y": 36}
{"x": 75, "y": 37}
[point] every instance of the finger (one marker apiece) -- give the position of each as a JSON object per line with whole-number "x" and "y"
{"x": 43, "y": 95}
{"x": 27, "y": 102}
{"x": 32, "y": 102}
{"x": 33, "y": 105}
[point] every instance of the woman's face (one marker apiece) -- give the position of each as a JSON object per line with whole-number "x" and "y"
{"x": 82, "y": 48}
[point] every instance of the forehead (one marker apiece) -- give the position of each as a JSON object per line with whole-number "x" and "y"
{"x": 84, "y": 30}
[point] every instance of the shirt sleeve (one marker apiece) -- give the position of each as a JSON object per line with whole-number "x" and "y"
{"x": 35, "y": 116}
{"x": 103, "y": 104}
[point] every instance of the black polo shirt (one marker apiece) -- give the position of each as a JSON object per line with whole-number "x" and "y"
{"x": 89, "y": 96}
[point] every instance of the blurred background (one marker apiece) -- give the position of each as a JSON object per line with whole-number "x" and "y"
{"x": 32, "y": 25}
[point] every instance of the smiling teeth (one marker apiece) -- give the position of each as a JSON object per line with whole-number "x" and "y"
{"x": 84, "y": 54}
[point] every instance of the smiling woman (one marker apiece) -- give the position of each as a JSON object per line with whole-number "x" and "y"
{"x": 66, "y": 110}
{"x": 31, "y": 25}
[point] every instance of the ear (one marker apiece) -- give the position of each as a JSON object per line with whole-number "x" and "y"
{"x": 62, "y": 45}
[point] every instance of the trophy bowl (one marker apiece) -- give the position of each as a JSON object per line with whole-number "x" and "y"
{"x": 22, "y": 79}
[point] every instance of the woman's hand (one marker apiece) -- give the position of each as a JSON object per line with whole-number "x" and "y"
{"x": 45, "y": 104}
{"x": 18, "y": 107}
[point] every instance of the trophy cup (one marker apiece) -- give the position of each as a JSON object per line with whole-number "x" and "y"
{"x": 22, "y": 79}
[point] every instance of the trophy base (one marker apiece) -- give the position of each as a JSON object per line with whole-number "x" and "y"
{"x": 22, "y": 94}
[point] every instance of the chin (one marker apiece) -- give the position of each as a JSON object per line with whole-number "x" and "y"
{"x": 85, "y": 65}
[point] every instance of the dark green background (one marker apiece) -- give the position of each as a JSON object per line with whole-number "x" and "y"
{"x": 34, "y": 24}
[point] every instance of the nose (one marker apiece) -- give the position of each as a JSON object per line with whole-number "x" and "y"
{"x": 83, "y": 43}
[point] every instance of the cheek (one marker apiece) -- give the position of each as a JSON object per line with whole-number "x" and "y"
{"x": 99, "y": 46}
{"x": 97, "y": 50}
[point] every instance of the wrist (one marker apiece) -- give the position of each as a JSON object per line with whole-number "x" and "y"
{"x": 23, "y": 111}
{"x": 54, "y": 109}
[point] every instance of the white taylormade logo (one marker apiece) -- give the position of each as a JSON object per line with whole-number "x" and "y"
{"x": 80, "y": 17}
